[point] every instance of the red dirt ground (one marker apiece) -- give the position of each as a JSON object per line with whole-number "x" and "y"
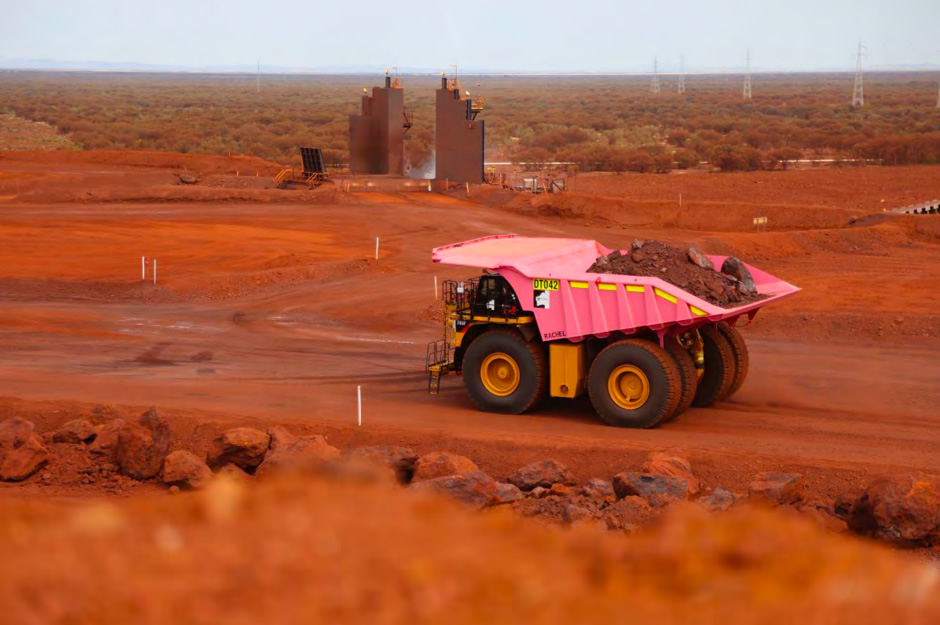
{"x": 285, "y": 293}
{"x": 322, "y": 552}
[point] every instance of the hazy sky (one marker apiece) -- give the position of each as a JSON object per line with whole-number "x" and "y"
{"x": 543, "y": 35}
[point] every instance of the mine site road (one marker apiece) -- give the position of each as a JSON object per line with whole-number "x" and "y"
{"x": 293, "y": 352}
{"x": 835, "y": 407}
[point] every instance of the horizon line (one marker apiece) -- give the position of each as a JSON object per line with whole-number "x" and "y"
{"x": 430, "y": 73}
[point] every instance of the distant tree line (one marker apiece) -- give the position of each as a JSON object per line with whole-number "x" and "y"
{"x": 599, "y": 123}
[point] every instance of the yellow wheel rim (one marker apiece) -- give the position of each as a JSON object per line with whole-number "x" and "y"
{"x": 628, "y": 387}
{"x": 500, "y": 374}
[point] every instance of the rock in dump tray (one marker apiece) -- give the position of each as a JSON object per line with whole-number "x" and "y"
{"x": 689, "y": 270}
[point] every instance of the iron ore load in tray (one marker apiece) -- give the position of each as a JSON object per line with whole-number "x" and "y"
{"x": 689, "y": 270}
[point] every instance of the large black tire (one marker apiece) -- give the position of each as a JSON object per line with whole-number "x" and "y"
{"x": 660, "y": 370}
{"x": 687, "y": 374}
{"x": 529, "y": 357}
{"x": 719, "y": 368}
{"x": 741, "y": 357}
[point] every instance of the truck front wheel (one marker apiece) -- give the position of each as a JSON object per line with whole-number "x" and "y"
{"x": 634, "y": 384}
{"x": 504, "y": 373}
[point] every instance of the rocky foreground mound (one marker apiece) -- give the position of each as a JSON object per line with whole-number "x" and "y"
{"x": 115, "y": 455}
{"x": 690, "y": 270}
{"x": 285, "y": 528}
{"x": 344, "y": 549}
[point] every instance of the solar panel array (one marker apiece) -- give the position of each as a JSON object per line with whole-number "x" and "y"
{"x": 313, "y": 161}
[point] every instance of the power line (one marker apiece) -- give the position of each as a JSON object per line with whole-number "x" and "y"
{"x": 747, "y": 78}
{"x": 681, "y": 87}
{"x": 654, "y": 85}
{"x": 858, "y": 93}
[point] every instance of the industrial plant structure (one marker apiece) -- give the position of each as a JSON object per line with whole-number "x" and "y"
{"x": 458, "y": 135}
{"x": 377, "y": 134}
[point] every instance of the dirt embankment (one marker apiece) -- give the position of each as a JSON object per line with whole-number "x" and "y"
{"x": 36, "y": 177}
{"x": 204, "y": 164}
{"x": 859, "y": 189}
{"x": 316, "y": 551}
{"x": 791, "y": 201}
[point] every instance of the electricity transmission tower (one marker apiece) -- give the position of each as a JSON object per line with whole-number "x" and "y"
{"x": 858, "y": 93}
{"x": 654, "y": 85}
{"x": 681, "y": 87}
{"x": 747, "y": 78}
{"x": 258, "y": 78}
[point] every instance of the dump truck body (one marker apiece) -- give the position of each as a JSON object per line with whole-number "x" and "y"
{"x": 550, "y": 279}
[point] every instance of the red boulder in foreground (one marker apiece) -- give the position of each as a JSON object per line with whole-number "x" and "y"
{"x": 400, "y": 459}
{"x": 105, "y": 444}
{"x": 544, "y": 474}
{"x": 658, "y": 490}
{"x": 776, "y": 489}
{"x": 903, "y": 511}
{"x": 186, "y": 470}
{"x": 244, "y": 447}
{"x": 661, "y": 463}
{"x": 441, "y": 464}
{"x": 21, "y": 450}
{"x": 76, "y": 431}
{"x": 141, "y": 447}
{"x": 474, "y": 488}
{"x": 289, "y": 453}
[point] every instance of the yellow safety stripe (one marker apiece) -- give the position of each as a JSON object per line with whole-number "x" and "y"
{"x": 696, "y": 311}
{"x": 665, "y": 296}
{"x": 518, "y": 321}
{"x": 631, "y": 288}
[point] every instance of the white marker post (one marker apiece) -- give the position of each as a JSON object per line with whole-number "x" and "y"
{"x": 435, "y": 288}
{"x": 680, "y": 200}
{"x": 143, "y": 268}
{"x": 376, "y": 248}
{"x": 154, "y": 271}
{"x": 359, "y": 401}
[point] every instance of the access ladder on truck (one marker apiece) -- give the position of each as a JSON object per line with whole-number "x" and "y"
{"x": 456, "y": 296}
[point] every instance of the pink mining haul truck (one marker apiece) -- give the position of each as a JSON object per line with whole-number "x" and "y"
{"x": 537, "y": 322}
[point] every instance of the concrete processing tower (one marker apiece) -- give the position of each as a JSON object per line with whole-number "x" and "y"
{"x": 377, "y": 134}
{"x": 459, "y": 135}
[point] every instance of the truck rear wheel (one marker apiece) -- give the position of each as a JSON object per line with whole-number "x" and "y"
{"x": 687, "y": 374}
{"x": 634, "y": 384}
{"x": 719, "y": 368}
{"x": 504, "y": 373}
{"x": 741, "y": 358}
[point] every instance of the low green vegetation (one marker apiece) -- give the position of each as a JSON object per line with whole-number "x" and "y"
{"x": 608, "y": 123}
{"x": 17, "y": 133}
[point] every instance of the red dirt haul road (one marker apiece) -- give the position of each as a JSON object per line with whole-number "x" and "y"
{"x": 274, "y": 310}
